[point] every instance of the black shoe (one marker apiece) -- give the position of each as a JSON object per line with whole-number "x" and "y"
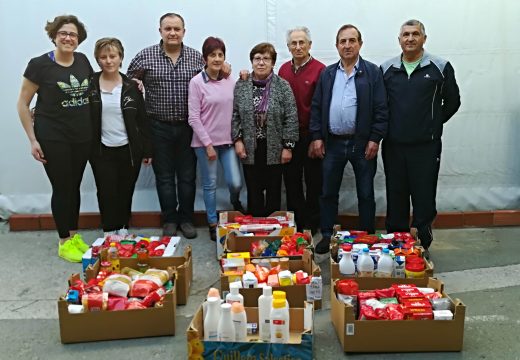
{"x": 323, "y": 246}
{"x": 169, "y": 229}
{"x": 213, "y": 232}
{"x": 425, "y": 236}
{"x": 426, "y": 254}
{"x": 237, "y": 206}
{"x": 188, "y": 230}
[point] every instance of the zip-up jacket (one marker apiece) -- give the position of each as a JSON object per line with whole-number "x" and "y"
{"x": 421, "y": 103}
{"x": 134, "y": 115}
{"x": 372, "y": 110}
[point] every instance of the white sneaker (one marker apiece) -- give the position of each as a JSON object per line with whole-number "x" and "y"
{"x": 122, "y": 232}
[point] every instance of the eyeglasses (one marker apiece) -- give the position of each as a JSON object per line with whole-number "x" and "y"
{"x": 259, "y": 59}
{"x": 64, "y": 34}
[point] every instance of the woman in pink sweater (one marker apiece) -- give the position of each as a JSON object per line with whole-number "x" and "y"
{"x": 210, "y": 104}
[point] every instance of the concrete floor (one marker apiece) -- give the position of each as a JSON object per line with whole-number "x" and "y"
{"x": 479, "y": 266}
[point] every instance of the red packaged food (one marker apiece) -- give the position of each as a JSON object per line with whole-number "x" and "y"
{"x": 367, "y": 313}
{"x": 141, "y": 288}
{"x": 424, "y": 303}
{"x": 347, "y": 287}
{"x": 116, "y": 303}
{"x": 404, "y": 286}
{"x": 154, "y": 297}
{"x": 385, "y": 293}
{"x": 433, "y": 295}
{"x": 411, "y": 295}
{"x": 367, "y": 295}
{"x": 418, "y": 313}
{"x": 261, "y": 273}
{"x": 394, "y": 312}
{"x": 381, "y": 314}
{"x": 357, "y": 232}
{"x": 134, "y": 305}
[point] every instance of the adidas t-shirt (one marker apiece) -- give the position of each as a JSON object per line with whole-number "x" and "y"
{"x": 62, "y": 107}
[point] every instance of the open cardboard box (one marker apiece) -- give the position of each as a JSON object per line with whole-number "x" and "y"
{"x": 226, "y": 217}
{"x": 300, "y": 345}
{"x": 296, "y": 294}
{"x": 400, "y": 335}
{"x": 183, "y": 265}
{"x": 367, "y": 283}
{"x": 112, "y": 325}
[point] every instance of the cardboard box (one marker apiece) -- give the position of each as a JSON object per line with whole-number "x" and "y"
{"x": 296, "y": 294}
{"x": 112, "y": 325}
{"x": 226, "y": 217}
{"x": 397, "y": 336}
{"x": 299, "y": 347}
{"x": 367, "y": 283}
{"x": 183, "y": 265}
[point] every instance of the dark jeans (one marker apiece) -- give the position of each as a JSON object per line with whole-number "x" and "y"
{"x": 411, "y": 172}
{"x": 174, "y": 164}
{"x": 304, "y": 203}
{"x": 261, "y": 178}
{"x": 115, "y": 181}
{"x": 337, "y": 153}
{"x": 65, "y": 166}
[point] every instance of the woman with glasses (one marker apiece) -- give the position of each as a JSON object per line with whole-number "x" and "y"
{"x": 60, "y": 132}
{"x": 210, "y": 105}
{"x": 121, "y": 138}
{"x": 264, "y": 130}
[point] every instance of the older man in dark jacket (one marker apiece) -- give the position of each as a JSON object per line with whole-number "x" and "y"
{"x": 349, "y": 118}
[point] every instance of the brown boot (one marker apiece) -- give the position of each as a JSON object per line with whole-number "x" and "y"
{"x": 213, "y": 232}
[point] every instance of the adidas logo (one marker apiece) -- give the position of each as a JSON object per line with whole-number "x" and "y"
{"x": 75, "y": 89}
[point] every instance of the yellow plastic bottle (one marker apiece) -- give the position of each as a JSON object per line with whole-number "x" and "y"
{"x": 113, "y": 257}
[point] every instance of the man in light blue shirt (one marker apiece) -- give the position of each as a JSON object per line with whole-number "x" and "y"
{"x": 349, "y": 117}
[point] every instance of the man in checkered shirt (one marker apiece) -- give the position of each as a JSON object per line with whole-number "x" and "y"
{"x": 166, "y": 70}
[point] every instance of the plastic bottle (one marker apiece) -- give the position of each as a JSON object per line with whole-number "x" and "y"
{"x": 239, "y": 317}
{"x": 226, "y": 329}
{"x": 346, "y": 264}
{"x": 279, "y": 322}
{"x": 113, "y": 257}
{"x": 143, "y": 260}
{"x": 278, "y": 294}
{"x": 234, "y": 296}
{"x": 213, "y": 292}
{"x": 265, "y": 302}
{"x": 365, "y": 264}
{"x": 211, "y": 320}
{"x": 385, "y": 265}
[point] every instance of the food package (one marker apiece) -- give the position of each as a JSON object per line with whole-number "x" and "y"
{"x": 95, "y": 301}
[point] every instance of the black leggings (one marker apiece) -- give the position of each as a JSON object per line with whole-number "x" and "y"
{"x": 115, "y": 181}
{"x": 65, "y": 166}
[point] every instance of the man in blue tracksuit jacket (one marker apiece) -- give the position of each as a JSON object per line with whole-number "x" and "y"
{"x": 349, "y": 117}
{"x": 422, "y": 96}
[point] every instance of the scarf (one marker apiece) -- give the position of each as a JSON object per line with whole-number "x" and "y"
{"x": 261, "y": 108}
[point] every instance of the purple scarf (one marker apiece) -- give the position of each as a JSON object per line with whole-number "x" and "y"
{"x": 261, "y": 108}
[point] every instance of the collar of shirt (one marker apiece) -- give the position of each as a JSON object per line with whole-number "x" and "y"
{"x": 296, "y": 69}
{"x": 206, "y": 78}
{"x": 356, "y": 68}
{"x": 164, "y": 52}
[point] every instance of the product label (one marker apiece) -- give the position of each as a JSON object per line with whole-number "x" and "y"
{"x": 314, "y": 289}
{"x": 213, "y": 336}
{"x": 278, "y": 322}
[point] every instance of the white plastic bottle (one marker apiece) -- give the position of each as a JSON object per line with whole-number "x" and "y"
{"x": 213, "y": 292}
{"x": 365, "y": 264}
{"x": 226, "y": 329}
{"x": 346, "y": 264}
{"x": 234, "y": 295}
{"x": 265, "y": 302}
{"x": 385, "y": 265}
{"x": 211, "y": 319}
{"x": 279, "y": 322}
{"x": 239, "y": 317}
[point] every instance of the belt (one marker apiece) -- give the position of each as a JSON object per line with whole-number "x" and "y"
{"x": 342, "y": 137}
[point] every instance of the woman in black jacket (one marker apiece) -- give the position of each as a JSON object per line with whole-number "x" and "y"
{"x": 121, "y": 135}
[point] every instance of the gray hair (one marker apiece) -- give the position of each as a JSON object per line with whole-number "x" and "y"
{"x": 305, "y": 29}
{"x": 413, "y": 22}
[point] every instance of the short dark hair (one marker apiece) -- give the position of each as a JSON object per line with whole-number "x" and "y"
{"x": 171, "y": 14}
{"x": 109, "y": 42}
{"x": 261, "y": 48}
{"x": 348, "y": 26}
{"x": 413, "y": 22}
{"x": 211, "y": 44}
{"x": 52, "y": 27}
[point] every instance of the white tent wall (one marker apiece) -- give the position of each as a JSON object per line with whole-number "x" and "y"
{"x": 480, "y": 169}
